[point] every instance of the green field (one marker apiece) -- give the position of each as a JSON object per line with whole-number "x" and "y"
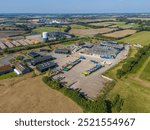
{"x": 48, "y": 29}
{"x": 76, "y": 26}
{"x": 145, "y": 74}
{"x": 125, "y": 26}
{"x": 138, "y": 38}
{"x": 134, "y": 91}
{"x": 8, "y": 76}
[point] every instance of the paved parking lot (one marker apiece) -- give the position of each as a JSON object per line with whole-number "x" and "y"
{"x": 92, "y": 84}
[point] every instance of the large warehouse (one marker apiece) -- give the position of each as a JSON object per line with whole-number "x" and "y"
{"x": 108, "y": 50}
{"x": 46, "y": 66}
{"x": 40, "y": 60}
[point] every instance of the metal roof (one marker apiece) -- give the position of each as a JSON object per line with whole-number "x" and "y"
{"x": 46, "y": 66}
{"x": 41, "y": 59}
{"x": 33, "y": 54}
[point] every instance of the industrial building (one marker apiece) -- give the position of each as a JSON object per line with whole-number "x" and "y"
{"x": 107, "y": 50}
{"x": 45, "y": 36}
{"x": 46, "y": 66}
{"x": 34, "y": 54}
{"x": 40, "y": 60}
{"x": 21, "y": 69}
{"x": 112, "y": 44}
{"x": 58, "y": 35}
{"x": 5, "y": 69}
{"x": 62, "y": 51}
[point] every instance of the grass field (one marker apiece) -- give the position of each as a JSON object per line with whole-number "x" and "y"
{"x": 90, "y": 32}
{"x": 145, "y": 74}
{"x": 8, "y": 76}
{"x": 76, "y": 26}
{"x": 48, "y": 29}
{"x": 138, "y": 38}
{"x": 135, "y": 92}
{"x": 26, "y": 94}
{"x": 120, "y": 34}
{"x": 124, "y": 25}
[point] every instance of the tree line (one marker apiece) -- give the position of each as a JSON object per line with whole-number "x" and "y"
{"x": 132, "y": 62}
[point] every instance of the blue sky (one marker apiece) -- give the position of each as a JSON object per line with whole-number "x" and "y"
{"x": 74, "y": 6}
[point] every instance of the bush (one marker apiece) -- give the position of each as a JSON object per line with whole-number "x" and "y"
{"x": 20, "y": 58}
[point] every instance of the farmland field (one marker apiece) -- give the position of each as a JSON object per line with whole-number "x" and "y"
{"x": 135, "y": 92}
{"x": 123, "y": 25}
{"x": 28, "y": 94}
{"x": 4, "y": 34}
{"x": 76, "y": 26}
{"x": 48, "y": 29}
{"x": 120, "y": 34}
{"x": 138, "y": 38}
{"x": 105, "y": 24}
{"x": 90, "y": 32}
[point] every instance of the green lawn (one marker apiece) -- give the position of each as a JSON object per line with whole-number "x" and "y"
{"x": 136, "y": 93}
{"x": 138, "y": 38}
{"x": 8, "y": 76}
{"x": 48, "y": 29}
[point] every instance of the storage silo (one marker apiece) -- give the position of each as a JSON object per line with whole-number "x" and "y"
{"x": 45, "y": 36}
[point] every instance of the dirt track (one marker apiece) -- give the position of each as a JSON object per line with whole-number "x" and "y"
{"x": 28, "y": 94}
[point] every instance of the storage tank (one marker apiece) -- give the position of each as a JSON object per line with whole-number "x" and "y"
{"x": 45, "y": 36}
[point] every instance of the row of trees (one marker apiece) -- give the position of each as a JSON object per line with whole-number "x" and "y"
{"x": 68, "y": 28}
{"x": 133, "y": 61}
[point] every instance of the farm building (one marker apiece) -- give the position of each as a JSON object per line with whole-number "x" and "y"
{"x": 40, "y": 60}
{"x": 21, "y": 69}
{"x": 62, "y": 51}
{"x": 46, "y": 66}
{"x": 33, "y": 54}
{"x": 5, "y": 69}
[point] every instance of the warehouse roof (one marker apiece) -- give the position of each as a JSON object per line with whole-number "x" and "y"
{"x": 112, "y": 44}
{"x": 41, "y": 59}
{"x": 33, "y": 54}
{"x": 46, "y": 66}
{"x": 65, "y": 51}
{"x": 5, "y": 67}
